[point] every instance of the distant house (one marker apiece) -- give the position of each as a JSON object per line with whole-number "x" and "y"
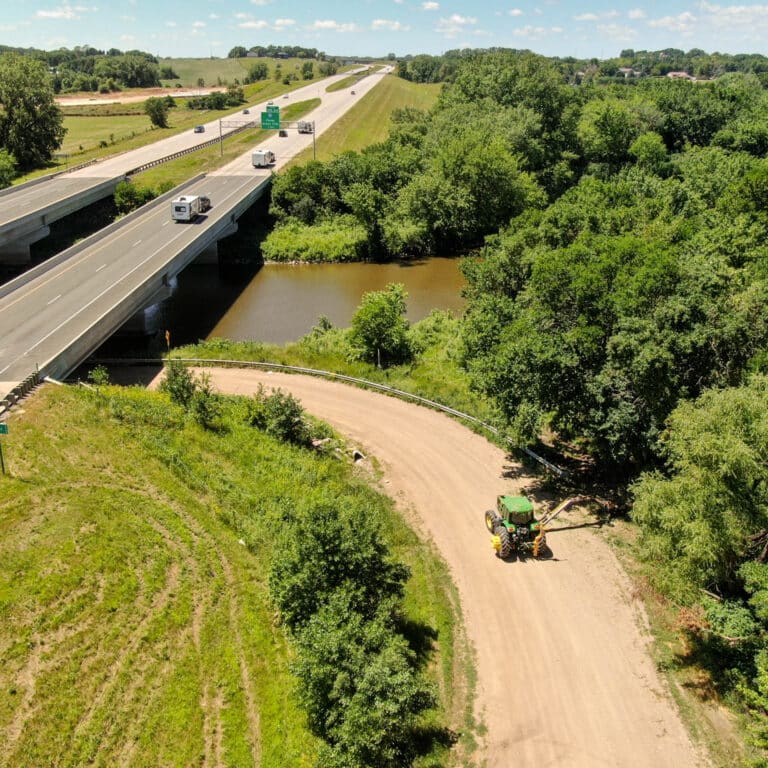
{"x": 629, "y": 72}
{"x": 680, "y": 76}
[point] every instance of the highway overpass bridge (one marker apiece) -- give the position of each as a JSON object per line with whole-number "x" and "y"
{"x": 54, "y": 315}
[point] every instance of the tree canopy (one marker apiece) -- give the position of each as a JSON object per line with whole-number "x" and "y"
{"x": 31, "y": 123}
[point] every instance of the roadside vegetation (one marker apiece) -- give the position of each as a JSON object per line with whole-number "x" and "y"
{"x": 148, "y": 541}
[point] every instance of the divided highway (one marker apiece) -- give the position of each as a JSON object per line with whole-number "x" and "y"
{"x": 52, "y": 317}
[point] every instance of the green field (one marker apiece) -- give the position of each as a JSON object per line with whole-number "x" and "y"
{"x": 135, "y": 622}
{"x": 368, "y": 121}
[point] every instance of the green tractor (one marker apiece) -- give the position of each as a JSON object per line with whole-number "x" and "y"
{"x": 514, "y": 527}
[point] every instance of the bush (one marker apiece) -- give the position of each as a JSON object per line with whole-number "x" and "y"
{"x": 179, "y": 383}
{"x": 280, "y": 415}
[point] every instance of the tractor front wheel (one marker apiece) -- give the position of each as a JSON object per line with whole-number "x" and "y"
{"x": 505, "y": 544}
{"x": 491, "y": 520}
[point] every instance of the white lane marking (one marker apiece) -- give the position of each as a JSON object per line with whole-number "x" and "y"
{"x": 138, "y": 242}
{"x": 56, "y": 298}
{"x": 98, "y": 269}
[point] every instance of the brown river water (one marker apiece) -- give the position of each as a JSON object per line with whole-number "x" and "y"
{"x": 281, "y": 302}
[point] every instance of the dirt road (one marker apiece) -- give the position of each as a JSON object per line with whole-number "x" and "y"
{"x": 564, "y": 676}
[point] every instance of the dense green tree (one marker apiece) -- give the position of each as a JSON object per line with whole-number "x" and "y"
{"x": 7, "y": 168}
{"x": 325, "y": 549}
{"x": 307, "y": 70}
{"x": 157, "y": 110}
{"x": 238, "y": 52}
{"x": 698, "y": 523}
{"x": 31, "y": 123}
{"x": 379, "y": 329}
{"x": 257, "y": 71}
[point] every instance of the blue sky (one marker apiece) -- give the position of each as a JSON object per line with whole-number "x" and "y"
{"x": 198, "y": 28}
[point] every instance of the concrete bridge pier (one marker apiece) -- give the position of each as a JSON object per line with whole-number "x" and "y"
{"x": 146, "y": 322}
{"x": 16, "y": 253}
{"x": 211, "y": 253}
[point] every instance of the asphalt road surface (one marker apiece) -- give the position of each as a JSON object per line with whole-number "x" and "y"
{"x": 565, "y": 679}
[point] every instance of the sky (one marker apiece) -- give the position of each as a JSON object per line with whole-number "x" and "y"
{"x": 200, "y": 28}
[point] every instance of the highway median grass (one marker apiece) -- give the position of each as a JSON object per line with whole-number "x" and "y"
{"x": 135, "y": 621}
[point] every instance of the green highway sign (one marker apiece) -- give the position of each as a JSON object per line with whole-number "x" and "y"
{"x": 273, "y": 108}
{"x": 270, "y": 120}
{"x": 3, "y": 429}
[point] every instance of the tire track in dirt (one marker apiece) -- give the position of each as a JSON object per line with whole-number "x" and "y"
{"x": 564, "y": 674}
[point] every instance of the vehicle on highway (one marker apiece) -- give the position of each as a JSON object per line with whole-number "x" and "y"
{"x": 305, "y": 126}
{"x": 269, "y": 103}
{"x": 285, "y": 96}
{"x": 189, "y": 207}
{"x": 246, "y": 111}
{"x": 282, "y": 133}
{"x": 261, "y": 158}
{"x": 353, "y": 93}
{"x": 199, "y": 129}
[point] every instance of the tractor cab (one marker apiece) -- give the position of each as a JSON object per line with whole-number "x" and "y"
{"x": 515, "y": 509}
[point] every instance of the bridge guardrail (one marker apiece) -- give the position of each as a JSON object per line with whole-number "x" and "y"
{"x": 62, "y": 256}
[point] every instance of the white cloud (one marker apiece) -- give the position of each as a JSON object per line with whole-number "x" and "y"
{"x": 65, "y": 12}
{"x": 737, "y": 15}
{"x": 636, "y": 13}
{"x": 431, "y": 5}
{"x": 242, "y": 15}
{"x": 335, "y": 26}
{"x": 618, "y": 32}
{"x": 130, "y": 39}
{"x": 596, "y": 16}
{"x": 284, "y": 23}
{"x": 198, "y": 24}
{"x": 515, "y": 12}
{"x": 536, "y": 33}
{"x": 261, "y": 2}
{"x": 455, "y": 25}
{"x": 127, "y": 18}
{"x": 683, "y": 23}
{"x": 170, "y": 23}
{"x": 254, "y": 24}
{"x": 214, "y": 16}
{"x": 392, "y": 26}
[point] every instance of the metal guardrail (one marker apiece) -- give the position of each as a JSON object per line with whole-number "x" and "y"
{"x": 190, "y": 150}
{"x": 374, "y": 385}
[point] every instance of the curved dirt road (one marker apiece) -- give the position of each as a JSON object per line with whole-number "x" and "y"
{"x": 564, "y": 676}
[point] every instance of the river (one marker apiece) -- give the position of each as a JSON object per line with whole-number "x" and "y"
{"x": 281, "y": 302}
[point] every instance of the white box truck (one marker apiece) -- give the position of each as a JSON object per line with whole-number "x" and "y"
{"x": 189, "y": 207}
{"x": 261, "y": 158}
{"x": 305, "y": 126}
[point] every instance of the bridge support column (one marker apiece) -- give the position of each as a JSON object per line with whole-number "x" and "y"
{"x": 16, "y": 254}
{"x": 211, "y": 254}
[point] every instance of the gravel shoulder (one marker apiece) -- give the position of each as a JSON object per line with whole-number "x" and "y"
{"x": 565, "y": 677}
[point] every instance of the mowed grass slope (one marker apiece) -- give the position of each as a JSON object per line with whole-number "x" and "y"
{"x": 368, "y": 121}
{"x": 135, "y": 624}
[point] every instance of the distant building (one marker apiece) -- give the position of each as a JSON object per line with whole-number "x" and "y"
{"x": 680, "y": 76}
{"x": 629, "y": 72}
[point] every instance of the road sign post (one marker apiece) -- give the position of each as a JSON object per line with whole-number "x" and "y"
{"x": 3, "y": 431}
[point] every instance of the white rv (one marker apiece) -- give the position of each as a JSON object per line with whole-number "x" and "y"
{"x": 189, "y": 207}
{"x": 261, "y": 158}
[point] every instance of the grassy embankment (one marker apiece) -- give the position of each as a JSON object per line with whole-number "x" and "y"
{"x": 368, "y": 121}
{"x": 134, "y": 627}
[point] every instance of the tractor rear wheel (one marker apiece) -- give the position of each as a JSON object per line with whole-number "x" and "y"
{"x": 491, "y": 520}
{"x": 505, "y": 543}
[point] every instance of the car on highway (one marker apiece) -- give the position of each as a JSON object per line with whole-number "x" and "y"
{"x": 199, "y": 129}
{"x": 282, "y": 133}
{"x": 269, "y": 103}
{"x": 246, "y": 111}
{"x": 286, "y": 96}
